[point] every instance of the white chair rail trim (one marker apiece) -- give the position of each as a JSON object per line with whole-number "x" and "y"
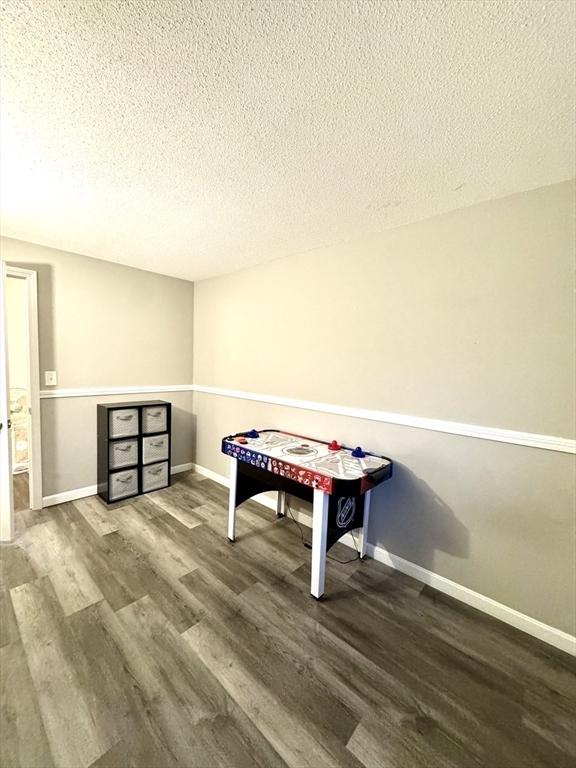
{"x": 528, "y": 439}
{"x": 51, "y": 394}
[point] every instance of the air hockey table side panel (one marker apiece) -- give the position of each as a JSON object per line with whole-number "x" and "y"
{"x": 291, "y": 470}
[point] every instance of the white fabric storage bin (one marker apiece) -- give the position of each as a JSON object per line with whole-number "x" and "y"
{"x": 123, "y": 453}
{"x": 155, "y": 448}
{"x": 154, "y": 476}
{"x": 123, "y": 422}
{"x": 123, "y": 484}
{"x": 154, "y": 418}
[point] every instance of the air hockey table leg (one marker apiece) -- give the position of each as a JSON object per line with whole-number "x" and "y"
{"x": 281, "y": 504}
{"x": 364, "y": 531}
{"x": 319, "y": 537}
{"x": 232, "y": 500}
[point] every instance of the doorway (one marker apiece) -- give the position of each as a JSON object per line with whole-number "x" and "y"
{"x": 23, "y": 465}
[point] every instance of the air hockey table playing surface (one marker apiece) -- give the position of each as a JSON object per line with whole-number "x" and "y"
{"x": 307, "y": 461}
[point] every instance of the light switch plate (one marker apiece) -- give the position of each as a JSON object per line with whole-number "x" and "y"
{"x": 50, "y": 378}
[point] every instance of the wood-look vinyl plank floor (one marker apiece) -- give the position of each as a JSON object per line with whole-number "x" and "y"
{"x": 23, "y": 740}
{"x": 51, "y": 553}
{"x": 135, "y": 636}
{"x": 75, "y": 734}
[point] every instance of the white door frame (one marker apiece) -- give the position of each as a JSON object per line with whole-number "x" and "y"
{"x": 6, "y": 497}
{"x": 35, "y": 442}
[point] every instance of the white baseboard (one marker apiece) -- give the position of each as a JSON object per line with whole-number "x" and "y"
{"x": 551, "y": 635}
{"x": 92, "y": 490}
{"x": 181, "y": 468}
{"x": 76, "y": 493}
{"x": 211, "y": 475}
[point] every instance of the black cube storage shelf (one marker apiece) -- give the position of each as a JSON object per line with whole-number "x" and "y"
{"x": 134, "y": 448}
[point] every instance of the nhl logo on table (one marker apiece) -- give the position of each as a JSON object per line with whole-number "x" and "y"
{"x": 345, "y": 513}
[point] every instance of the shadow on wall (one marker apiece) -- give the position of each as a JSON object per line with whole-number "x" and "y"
{"x": 410, "y": 520}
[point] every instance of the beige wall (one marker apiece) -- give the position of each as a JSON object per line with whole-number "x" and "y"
{"x": 102, "y": 324}
{"x": 105, "y": 324}
{"x": 466, "y": 317}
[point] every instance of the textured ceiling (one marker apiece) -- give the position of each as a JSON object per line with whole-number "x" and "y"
{"x": 195, "y": 138}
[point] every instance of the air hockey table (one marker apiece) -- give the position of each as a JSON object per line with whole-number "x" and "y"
{"x": 337, "y": 480}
